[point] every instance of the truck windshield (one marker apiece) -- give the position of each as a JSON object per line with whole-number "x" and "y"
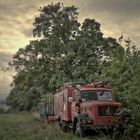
{"x": 104, "y": 95}
{"x": 90, "y": 95}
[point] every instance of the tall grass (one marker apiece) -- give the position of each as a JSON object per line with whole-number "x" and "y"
{"x": 26, "y": 127}
{"x": 29, "y": 127}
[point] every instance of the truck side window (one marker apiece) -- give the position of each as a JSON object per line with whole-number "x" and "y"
{"x": 75, "y": 95}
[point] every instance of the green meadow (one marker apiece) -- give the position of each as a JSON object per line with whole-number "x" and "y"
{"x": 29, "y": 127}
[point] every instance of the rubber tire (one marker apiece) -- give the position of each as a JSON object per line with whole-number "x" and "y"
{"x": 64, "y": 127}
{"x": 79, "y": 132}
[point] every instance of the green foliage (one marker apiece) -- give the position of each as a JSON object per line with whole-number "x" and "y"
{"x": 126, "y": 126}
{"x": 69, "y": 51}
{"x": 124, "y": 73}
{"x": 66, "y": 51}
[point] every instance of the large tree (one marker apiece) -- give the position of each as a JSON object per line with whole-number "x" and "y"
{"x": 65, "y": 51}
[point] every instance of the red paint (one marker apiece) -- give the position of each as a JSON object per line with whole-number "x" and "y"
{"x": 100, "y": 110}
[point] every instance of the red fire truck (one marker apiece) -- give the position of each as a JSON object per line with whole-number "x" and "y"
{"x": 80, "y": 107}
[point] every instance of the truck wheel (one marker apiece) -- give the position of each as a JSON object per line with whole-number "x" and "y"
{"x": 79, "y": 132}
{"x": 64, "y": 127}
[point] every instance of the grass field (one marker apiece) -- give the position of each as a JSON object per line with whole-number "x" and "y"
{"x": 28, "y": 127}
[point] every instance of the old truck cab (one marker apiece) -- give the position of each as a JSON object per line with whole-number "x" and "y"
{"x": 93, "y": 107}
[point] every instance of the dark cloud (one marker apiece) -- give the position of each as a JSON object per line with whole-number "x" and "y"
{"x": 5, "y": 81}
{"x": 16, "y": 14}
{"x": 5, "y": 78}
{"x": 121, "y": 7}
{"x": 116, "y": 16}
{"x": 16, "y": 7}
{"x": 4, "y": 60}
{"x": 4, "y": 88}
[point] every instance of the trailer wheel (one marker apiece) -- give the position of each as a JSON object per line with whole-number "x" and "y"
{"x": 64, "y": 127}
{"x": 79, "y": 132}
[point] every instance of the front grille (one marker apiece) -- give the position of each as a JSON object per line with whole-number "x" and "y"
{"x": 107, "y": 110}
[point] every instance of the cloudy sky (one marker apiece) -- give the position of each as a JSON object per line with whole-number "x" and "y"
{"x": 16, "y": 17}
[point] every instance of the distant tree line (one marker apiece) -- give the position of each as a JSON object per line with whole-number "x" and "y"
{"x": 66, "y": 50}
